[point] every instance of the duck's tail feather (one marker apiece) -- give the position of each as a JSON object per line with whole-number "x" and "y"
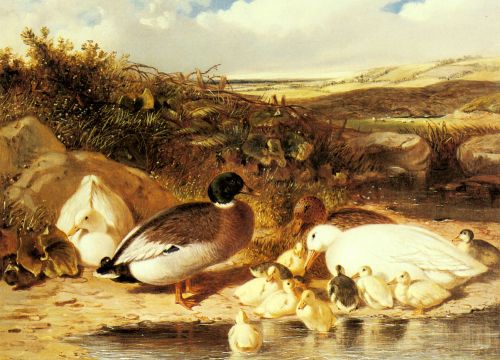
{"x": 107, "y": 269}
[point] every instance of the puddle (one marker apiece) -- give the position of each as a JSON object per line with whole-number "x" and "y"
{"x": 472, "y": 336}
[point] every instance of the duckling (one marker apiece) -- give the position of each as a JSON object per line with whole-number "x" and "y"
{"x": 343, "y": 291}
{"x": 420, "y": 294}
{"x": 281, "y": 303}
{"x": 480, "y": 250}
{"x": 294, "y": 259}
{"x": 244, "y": 337}
{"x": 95, "y": 240}
{"x": 260, "y": 270}
{"x": 314, "y": 313}
{"x": 257, "y": 290}
{"x": 373, "y": 289}
{"x": 179, "y": 242}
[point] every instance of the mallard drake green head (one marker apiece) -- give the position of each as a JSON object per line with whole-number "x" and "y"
{"x": 179, "y": 242}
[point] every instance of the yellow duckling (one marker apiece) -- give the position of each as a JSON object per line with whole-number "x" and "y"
{"x": 281, "y": 303}
{"x": 373, "y": 289}
{"x": 244, "y": 337}
{"x": 255, "y": 291}
{"x": 420, "y": 294}
{"x": 314, "y": 313}
{"x": 294, "y": 259}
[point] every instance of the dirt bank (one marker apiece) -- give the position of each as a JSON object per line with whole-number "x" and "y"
{"x": 34, "y": 323}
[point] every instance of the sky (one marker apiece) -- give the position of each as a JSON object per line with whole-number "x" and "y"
{"x": 266, "y": 38}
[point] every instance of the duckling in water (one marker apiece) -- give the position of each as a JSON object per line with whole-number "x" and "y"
{"x": 314, "y": 313}
{"x": 343, "y": 291}
{"x": 420, "y": 294}
{"x": 480, "y": 250}
{"x": 257, "y": 290}
{"x": 373, "y": 289}
{"x": 244, "y": 337}
{"x": 281, "y": 303}
{"x": 294, "y": 259}
{"x": 179, "y": 242}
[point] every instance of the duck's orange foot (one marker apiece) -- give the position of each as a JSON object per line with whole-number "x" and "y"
{"x": 188, "y": 303}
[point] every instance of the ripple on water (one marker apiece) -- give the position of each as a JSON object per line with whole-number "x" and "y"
{"x": 473, "y": 336}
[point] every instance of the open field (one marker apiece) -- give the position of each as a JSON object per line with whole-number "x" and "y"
{"x": 415, "y": 75}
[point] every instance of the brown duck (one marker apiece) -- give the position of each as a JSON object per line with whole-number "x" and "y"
{"x": 179, "y": 242}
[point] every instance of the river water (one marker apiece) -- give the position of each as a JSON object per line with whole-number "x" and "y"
{"x": 473, "y": 336}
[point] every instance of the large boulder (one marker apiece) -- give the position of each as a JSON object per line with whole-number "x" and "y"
{"x": 395, "y": 154}
{"x": 24, "y": 140}
{"x": 480, "y": 155}
{"x": 54, "y": 177}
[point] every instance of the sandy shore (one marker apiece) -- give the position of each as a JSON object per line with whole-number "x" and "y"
{"x": 35, "y": 322}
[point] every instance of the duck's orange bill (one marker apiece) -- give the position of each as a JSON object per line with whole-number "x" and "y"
{"x": 455, "y": 240}
{"x": 392, "y": 282}
{"x": 73, "y": 230}
{"x": 355, "y": 276}
{"x": 311, "y": 258}
{"x": 302, "y": 304}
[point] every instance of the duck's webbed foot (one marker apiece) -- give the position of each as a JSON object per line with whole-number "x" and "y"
{"x": 190, "y": 288}
{"x": 179, "y": 299}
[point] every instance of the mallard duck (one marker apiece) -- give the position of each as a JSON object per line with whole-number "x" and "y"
{"x": 257, "y": 290}
{"x": 261, "y": 270}
{"x": 315, "y": 313}
{"x": 280, "y": 303}
{"x": 95, "y": 219}
{"x": 420, "y": 294}
{"x": 390, "y": 249}
{"x": 179, "y": 242}
{"x": 343, "y": 291}
{"x": 480, "y": 250}
{"x": 310, "y": 211}
{"x": 244, "y": 337}
{"x": 373, "y": 289}
{"x": 294, "y": 259}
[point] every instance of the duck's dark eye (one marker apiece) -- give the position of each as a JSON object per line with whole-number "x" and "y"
{"x": 171, "y": 249}
{"x": 86, "y": 217}
{"x": 314, "y": 235}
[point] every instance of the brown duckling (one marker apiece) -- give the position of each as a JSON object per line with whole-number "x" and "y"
{"x": 343, "y": 291}
{"x": 480, "y": 250}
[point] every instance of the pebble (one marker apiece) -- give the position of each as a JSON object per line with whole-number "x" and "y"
{"x": 132, "y": 316}
{"x": 15, "y": 330}
{"x": 35, "y": 317}
{"x": 65, "y": 302}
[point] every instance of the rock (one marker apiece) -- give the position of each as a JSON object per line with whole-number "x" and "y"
{"x": 480, "y": 155}
{"x": 23, "y": 141}
{"x": 54, "y": 177}
{"x": 394, "y": 153}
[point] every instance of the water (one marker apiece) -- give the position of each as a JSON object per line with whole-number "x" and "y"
{"x": 472, "y": 336}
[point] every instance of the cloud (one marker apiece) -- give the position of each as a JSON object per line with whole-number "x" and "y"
{"x": 288, "y": 37}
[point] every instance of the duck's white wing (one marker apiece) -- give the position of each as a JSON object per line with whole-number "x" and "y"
{"x": 110, "y": 205}
{"x": 391, "y": 248}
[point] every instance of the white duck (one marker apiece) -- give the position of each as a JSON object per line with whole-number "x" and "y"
{"x": 255, "y": 291}
{"x": 294, "y": 259}
{"x": 281, "y": 303}
{"x": 315, "y": 313}
{"x": 373, "y": 289}
{"x": 244, "y": 337}
{"x": 95, "y": 219}
{"x": 419, "y": 294}
{"x": 391, "y": 249}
